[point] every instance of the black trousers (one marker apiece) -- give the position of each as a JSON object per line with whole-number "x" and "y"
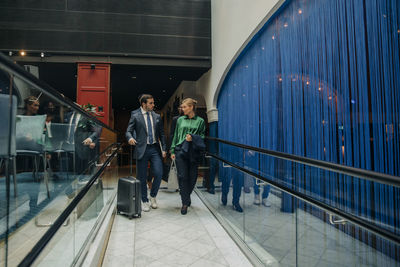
{"x": 187, "y": 175}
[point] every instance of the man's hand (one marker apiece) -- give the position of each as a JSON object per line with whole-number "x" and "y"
{"x": 188, "y": 138}
{"x": 92, "y": 145}
{"x": 164, "y": 154}
{"x": 87, "y": 141}
{"x": 132, "y": 142}
{"x": 173, "y": 156}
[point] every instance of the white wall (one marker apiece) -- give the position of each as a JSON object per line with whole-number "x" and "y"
{"x": 232, "y": 22}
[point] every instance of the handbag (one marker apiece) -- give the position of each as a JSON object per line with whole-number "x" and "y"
{"x": 173, "y": 184}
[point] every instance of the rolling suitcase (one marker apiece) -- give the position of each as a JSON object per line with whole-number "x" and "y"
{"x": 129, "y": 196}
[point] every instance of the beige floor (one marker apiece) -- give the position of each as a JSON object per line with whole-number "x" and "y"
{"x": 164, "y": 237}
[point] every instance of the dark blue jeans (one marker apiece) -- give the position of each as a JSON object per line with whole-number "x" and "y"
{"x": 152, "y": 155}
{"x": 237, "y": 184}
{"x": 266, "y": 189}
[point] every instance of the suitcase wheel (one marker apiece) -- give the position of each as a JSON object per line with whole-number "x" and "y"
{"x": 118, "y": 212}
{"x": 130, "y": 217}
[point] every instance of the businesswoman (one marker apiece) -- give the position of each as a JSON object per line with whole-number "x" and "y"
{"x": 187, "y": 148}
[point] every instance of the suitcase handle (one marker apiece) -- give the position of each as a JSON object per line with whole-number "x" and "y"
{"x": 131, "y": 156}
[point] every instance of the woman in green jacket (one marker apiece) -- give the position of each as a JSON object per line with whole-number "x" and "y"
{"x": 186, "y": 127}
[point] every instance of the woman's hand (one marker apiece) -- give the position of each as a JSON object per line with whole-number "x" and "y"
{"x": 173, "y": 156}
{"x": 188, "y": 138}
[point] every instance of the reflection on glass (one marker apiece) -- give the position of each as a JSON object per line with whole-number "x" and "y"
{"x": 57, "y": 151}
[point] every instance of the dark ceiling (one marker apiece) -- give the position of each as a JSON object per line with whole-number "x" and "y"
{"x": 127, "y": 81}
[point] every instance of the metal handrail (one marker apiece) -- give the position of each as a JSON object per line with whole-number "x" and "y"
{"x": 331, "y": 210}
{"x": 329, "y": 166}
{"x": 41, "y": 244}
{"x": 27, "y": 77}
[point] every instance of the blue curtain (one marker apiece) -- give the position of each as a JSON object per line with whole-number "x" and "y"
{"x": 322, "y": 80}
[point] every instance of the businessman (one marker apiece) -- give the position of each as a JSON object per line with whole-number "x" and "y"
{"x": 146, "y": 132}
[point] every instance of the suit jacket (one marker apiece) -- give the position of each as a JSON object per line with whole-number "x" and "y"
{"x": 80, "y": 132}
{"x": 137, "y": 130}
{"x": 194, "y": 150}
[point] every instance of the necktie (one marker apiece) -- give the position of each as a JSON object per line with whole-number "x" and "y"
{"x": 149, "y": 129}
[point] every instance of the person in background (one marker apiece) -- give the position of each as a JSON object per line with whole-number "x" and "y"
{"x": 187, "y": 147}
{"x": 32, "y": 105}
{"x": 173, "y": 125}
{"x": 264, "y": 195}
{"x": 31, "y": 108}
{"x": 50, "y": 110}
{"x": 237, "y": 184}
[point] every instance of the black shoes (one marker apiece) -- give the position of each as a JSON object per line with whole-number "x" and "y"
{"x": 211, "y": 191}
{"x": 237, "y": 207}
{"x": 224, "y": 199}
{"x": 190, "y": 203}
{"x": 184, "y": 209}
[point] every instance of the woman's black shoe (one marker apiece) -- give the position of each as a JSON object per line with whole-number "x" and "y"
{"x": 184, "y": 209}
{"x": 190, "y": 203}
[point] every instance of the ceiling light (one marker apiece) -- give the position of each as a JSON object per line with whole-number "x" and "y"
{"x": 41, "y": 54}
{"x": 10, "y": 53}
{"x": 22, "y": 53}
{"x": 133, "y": 77}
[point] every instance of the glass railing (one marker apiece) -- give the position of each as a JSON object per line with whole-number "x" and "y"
{"x": 289, "y": 211}
{"x": 52, "y": 152}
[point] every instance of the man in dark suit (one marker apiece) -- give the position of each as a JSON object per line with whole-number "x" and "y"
{"x": 146, "y": 132}
{"x": 83, "y": 134}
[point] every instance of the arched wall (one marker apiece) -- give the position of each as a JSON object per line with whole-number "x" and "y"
{"x": 321, "y": 80}
{"x": 233, "y": 23}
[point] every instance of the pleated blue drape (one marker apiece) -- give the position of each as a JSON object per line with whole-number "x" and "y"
{"x": 322, "y": 80}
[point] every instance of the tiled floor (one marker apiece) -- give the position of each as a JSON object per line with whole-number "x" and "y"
{"x": 164, "y": 237}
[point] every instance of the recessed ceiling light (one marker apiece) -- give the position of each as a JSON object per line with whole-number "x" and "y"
{"x": 133, "y": 77}
{"x": 22, "y": 53}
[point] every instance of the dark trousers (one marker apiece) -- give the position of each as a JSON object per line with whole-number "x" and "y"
{"x": 187, "y": 175}
{"x": 151, "y": 154}
{"x": 213, "y": 172}
{"x": 237, "y": 184}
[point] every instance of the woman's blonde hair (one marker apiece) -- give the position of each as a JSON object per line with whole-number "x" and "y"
{"x": 30, "y": 100}
{"x": 190, "y": 102}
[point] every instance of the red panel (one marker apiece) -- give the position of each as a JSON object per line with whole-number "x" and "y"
{"x": 94, "y": 87}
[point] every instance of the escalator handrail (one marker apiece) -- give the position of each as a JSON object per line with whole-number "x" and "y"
{"x": 45, "y": 239}
{"x": 378, "y": 177}
{"x": 386, "y": 234}
{"x": 27, "y": 77}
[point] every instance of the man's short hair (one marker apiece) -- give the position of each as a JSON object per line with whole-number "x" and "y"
{"x": 143, "y": 98}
